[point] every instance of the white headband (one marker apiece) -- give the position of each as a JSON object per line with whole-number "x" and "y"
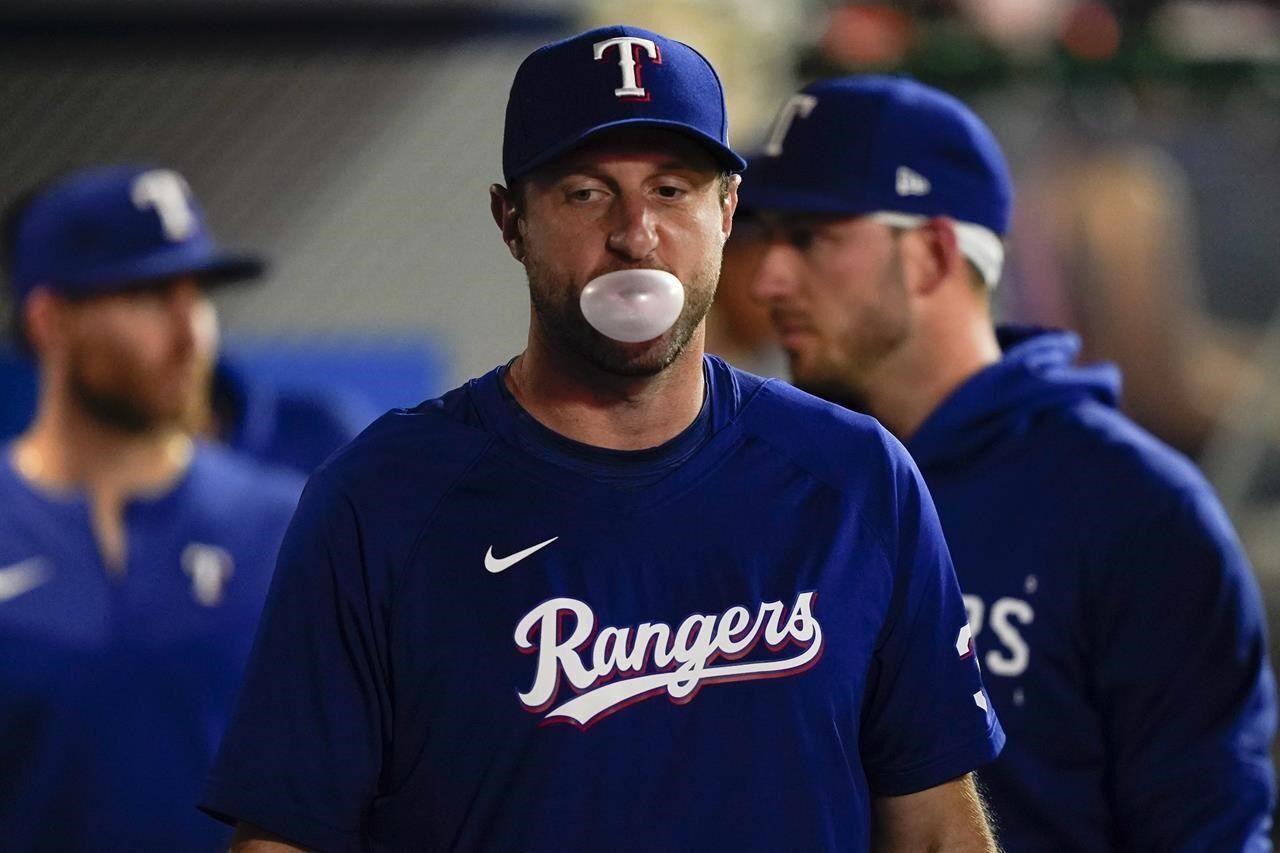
{"x": 979, "y": 244}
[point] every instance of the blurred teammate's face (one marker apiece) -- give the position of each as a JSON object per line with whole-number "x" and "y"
{"x": 648, "y": 199}
{"x": 837, "y": 299}
{"x": 747, "y": 321}
{"x": 141, "y": 359}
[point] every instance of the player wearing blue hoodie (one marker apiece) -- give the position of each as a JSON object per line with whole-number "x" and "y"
{"x": 1115, "y": 616}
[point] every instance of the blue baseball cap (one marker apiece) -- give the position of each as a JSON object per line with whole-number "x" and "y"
{"x": 569, "y": 90}
{"x": 859, "y": 145}
{"x": 108, "y": 229}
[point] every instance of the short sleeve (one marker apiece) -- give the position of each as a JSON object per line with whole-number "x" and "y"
{"x": 926, "y": 719}
{"x": 303, "y": 753}
{"x": 1184, "y": 685}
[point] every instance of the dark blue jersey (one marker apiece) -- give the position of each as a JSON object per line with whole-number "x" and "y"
{"x": 485, "y": 636}
{"x": 116, "y": 685}
{"x": 1119, "y": 628}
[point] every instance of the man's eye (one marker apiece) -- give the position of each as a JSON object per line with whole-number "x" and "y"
{"x": 799, "y": 236}
{"x": 669, "y": 191}
{"x": 584, "y": 194}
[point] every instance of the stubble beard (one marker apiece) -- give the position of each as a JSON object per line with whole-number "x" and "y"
{"x": 557, "y": 312}
{"x": 113, "y": 404}
{"x": 847, "y": 381}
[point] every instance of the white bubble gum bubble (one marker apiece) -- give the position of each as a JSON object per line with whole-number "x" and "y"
{"x": 632, "y": 306}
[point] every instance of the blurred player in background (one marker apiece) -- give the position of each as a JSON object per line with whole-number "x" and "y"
{"x": 614, "y": 595}
{"x": 1115, "y": 616}
{"x": 133, "y": 560}
{"x": 738, "y": 327}
{"x": 233, "y": 404}
{"x": 290, "y": 427}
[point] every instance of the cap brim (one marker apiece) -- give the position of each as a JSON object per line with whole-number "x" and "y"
{"x": 212, "y": 269}
{"x": 723, "y": 154}
{"x": 231, "y": 269}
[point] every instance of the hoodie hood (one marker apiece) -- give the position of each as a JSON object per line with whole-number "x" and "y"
{"x": 1038, "y": 372}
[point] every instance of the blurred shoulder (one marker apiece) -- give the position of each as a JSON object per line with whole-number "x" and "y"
{"x": 240, "y": 501}
{"x": 231, "y": 476}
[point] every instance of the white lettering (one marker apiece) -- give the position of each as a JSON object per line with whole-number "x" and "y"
{"x": 1014, "y": 654}
{"x": 975, "y": 609}
{"x": 167, "y": 192}
{"x": 735, "y": 619}
{"x": 775, "y": 632}
{"x": 695, "y": 645}
{"x": 797, "y": 106}
{"x": 628, "y": 57}
{"x": 608, "y": 653}
{"x": 555, "y": 655}
{"x": 1018, "y": 655}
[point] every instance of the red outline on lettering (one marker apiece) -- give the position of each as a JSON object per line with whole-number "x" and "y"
{"x": 760, "y": 626}
{"x": 561, "y": 613}
{"x": 635, "y": 57}
{"x": 724, "y": 679}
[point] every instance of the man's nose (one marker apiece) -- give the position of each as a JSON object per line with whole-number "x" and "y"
{"x": 185, "y": 302}
{"x": 633, "y": 230}
{"x": 775, "y": 276}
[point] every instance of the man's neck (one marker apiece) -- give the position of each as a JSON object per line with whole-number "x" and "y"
{"x": 591, "y": 406}
{"x": 910, "y": 386}
{"x": 67, "y": 450}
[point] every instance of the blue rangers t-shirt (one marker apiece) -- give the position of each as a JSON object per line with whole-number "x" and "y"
{"x": 485, "y": 636}
{"x": 1121, "y": 633}
{"x": 116, "y": 683}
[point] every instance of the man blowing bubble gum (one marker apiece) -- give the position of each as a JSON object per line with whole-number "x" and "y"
{"x": 615, "y": 594}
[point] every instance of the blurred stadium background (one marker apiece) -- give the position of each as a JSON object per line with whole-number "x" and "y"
{"x": 352, "y": 142}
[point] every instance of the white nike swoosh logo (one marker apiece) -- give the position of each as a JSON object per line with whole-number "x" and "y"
{"x": 22, "y": 577}
{"x": 501, "y": 564}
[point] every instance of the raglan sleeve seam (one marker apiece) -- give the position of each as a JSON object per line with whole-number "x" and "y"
{"x": 420, "y": 535}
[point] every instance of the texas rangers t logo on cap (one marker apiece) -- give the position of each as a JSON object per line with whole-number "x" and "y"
{"x": 679, "y": 92}
{"x": 165, "y": 191}
{"x": 629, "y": 60}
{"x": 797, "y": 106}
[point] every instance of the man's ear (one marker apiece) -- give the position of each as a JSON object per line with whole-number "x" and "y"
{"x": 934, "y": 255}
{"x": 42, "y": 318}
{"x": 507, "y": 217}
{"x": 730, "y": 205}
